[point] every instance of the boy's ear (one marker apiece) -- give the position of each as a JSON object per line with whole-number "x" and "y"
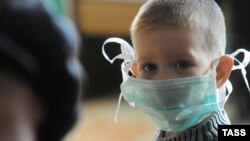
{"x": 223, "y": 70}
{"x": 134, "y": 70}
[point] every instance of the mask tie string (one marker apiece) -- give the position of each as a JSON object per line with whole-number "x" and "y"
{"x": 241, "y": 65}
{"x": 127, "y": 54}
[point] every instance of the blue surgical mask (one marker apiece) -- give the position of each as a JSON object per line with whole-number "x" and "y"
{"x": 175, "y": 104}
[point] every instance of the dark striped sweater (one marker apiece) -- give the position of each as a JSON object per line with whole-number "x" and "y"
{"x": 206, "y": 131}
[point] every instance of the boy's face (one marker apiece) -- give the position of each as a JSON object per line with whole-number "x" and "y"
{"x": 169, "y": 53}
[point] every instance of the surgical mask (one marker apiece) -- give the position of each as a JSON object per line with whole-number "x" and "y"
{"x": 176, "y": 104}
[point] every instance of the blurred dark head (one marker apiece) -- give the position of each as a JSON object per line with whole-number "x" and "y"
{"x": 40, "y": 45}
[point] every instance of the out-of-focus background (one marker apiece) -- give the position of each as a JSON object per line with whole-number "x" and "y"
{"x": 98, "y": 20}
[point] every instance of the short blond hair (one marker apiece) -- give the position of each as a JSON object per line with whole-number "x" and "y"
{"x": 204, "y": 16}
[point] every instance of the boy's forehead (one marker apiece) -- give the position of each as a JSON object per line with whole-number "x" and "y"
{"x": 174, "y": 39}
{"x": 174, "y": 35}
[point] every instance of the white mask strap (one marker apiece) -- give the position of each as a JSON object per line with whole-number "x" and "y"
{"x": 229, "y": 88}
{"x": 241, "y": 66}
{"x": 128, "y": 55}
{"x": 118, "y": 106}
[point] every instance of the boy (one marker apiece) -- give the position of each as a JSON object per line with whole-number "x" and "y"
{"x": 180, "y": 67}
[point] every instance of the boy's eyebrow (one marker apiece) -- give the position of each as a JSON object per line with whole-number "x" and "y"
{"x": 180, "y": 52}
{"x": 171, "y": 56}
{"x": 146, "y": 56}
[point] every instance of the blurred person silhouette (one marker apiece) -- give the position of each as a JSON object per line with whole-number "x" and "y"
{"x": 41, "y": 78}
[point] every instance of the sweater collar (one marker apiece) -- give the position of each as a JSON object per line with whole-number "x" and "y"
{"x": 205, "y": 131}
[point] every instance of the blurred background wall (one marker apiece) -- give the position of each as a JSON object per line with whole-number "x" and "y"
{"x": 98, "y": 20}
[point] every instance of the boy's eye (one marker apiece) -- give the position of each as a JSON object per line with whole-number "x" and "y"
{"x": 181, "y": 65}
{"x": 149, "y": 67}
